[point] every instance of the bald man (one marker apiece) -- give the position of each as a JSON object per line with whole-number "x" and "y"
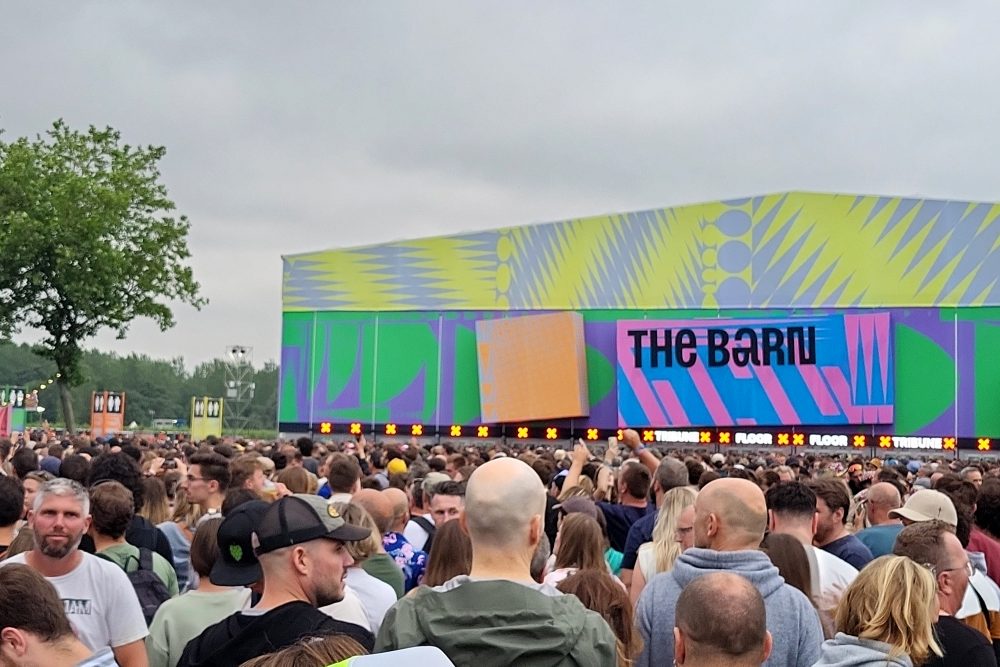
{"x": 881, "y": 534}
{"x": 400, "y": 508}
{"x": 730, "y": 516}
{"x": 497, "y": 615}
{"x": 411, "y": 562}
{"x": 721, "y": 620}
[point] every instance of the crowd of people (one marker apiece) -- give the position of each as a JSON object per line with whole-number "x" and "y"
{"x": 150, "y": 551}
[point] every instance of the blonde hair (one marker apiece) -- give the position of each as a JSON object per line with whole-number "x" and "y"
{"x": 892, "y": 600}
{"x": 356, "y": 515}
{"x": 582, "y": 489}
{"x": 311, "y": 652}
{"x": 186, "y": 513}
{"x": 665, "y": 545}
{"x": 155, "y": 507}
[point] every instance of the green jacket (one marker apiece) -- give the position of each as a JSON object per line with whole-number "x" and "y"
{"x": 486, "y": 623}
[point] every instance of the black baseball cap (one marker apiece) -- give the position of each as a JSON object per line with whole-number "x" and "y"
{"x": 237, "y": 565}
{"x": 302, "y": 518}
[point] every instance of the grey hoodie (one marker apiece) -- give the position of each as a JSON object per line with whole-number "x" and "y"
{"x": 847, "y": 651}
{"x": 791, "y": 618}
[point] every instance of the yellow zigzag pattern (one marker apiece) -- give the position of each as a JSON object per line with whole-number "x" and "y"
{"x": 783, "y": 250}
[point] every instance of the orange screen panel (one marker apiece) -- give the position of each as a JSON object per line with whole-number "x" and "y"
{"x": 532, "y": 368}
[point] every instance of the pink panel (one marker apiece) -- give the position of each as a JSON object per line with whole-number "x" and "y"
{"x": 637, "y": 381}
{"x": 776, "y": 394}
{"x": 851, "y": 333}
{"x": 709, "y": 394}
{"x": 668, "y": 397}
{"x": 882, "y": 334}
{"x": 817, "y": 387}
{"x": 842, "y": 392}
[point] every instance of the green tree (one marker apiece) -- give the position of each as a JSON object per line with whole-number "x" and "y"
{"x": 89, "y": 241}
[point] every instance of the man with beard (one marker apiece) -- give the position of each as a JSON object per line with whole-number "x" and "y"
{"x": 97, "y": 596}
{"x": 299, "y": 543}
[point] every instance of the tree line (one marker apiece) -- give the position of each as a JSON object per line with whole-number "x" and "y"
{"x": 154, "y": 388}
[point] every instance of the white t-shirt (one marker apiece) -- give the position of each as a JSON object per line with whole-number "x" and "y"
{"x": 987, "y": 589}
{"x": 103, "y": 658}
{"x": 376, "y": 595}
{"x": 100, "y": 602}
{"x": 835, "y": 574}
{"x": 348, "y": 610}
{"x": 646, "y": 560}
{"x": 416, "y": 535}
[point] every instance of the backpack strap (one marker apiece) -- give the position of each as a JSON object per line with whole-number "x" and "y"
{"x": 145, "y": 559}
{"x": 421, "y": 521}
{"x": 124, "y": 566}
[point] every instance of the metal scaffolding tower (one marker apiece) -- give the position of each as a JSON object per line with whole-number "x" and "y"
{"x": 239, "y": 388}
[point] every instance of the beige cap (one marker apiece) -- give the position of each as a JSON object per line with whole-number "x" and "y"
{"x": 927, "y": 505}
{"x": 432, "y": 480}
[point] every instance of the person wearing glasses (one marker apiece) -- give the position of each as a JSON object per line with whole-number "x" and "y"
{"x": 206, "y": 483}
{"x": 934, "y": 545}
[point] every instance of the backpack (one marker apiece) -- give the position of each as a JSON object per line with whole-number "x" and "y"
{"x": 429, "y": 528}
{"x": 149, "y": 588}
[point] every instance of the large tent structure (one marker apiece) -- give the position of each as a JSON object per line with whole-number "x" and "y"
{"x": 785, "y": 319}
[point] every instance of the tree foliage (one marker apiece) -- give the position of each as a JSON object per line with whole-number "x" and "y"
{"x": 89, "y": 241}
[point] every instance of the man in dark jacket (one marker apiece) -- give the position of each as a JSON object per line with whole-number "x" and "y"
{"x": 300, "y": 546}
{"x": 497, "y": 615}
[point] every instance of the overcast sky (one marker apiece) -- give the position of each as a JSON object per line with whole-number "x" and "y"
{"x": 299, "y": 126}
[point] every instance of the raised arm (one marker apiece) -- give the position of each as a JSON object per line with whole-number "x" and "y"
{"x": 634, "y": 443}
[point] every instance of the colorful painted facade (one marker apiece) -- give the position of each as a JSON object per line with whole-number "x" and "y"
{"x": 387, "y": 333}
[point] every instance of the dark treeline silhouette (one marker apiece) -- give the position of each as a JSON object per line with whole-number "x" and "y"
{"x": 155, "y": 388}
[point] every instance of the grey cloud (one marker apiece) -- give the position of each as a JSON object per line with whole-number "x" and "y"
{"x": 297, "y": 126}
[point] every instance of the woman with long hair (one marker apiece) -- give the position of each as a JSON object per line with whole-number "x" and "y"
{"x": 579, "y": 546}
{"x": 155, "y": 508}
{"x": 180, "y": 531}
{"x": 886, "y": 617}
{"x": 601, "y": 592}
{"x": 789, "y": 556}
{"x": 659, "y": 554}
{"x": 451, "y": 555}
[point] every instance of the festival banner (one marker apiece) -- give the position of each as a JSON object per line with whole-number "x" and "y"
{"x": 107, "y": 413}
{"x": 206, "y": 417}
{"x": 13, "y": 413}
{"x": 829, "y": 369}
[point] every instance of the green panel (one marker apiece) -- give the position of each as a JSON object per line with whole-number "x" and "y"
{"x": 467, "y": 407}
{"x": 975, "y": 314}
{"x": 368, "y": 333}
{"x": 600, "y": 376}
{"x": 295, "y": 332}
{"x": 405, "y": 348}
{"x": 916, "y": 406}
{"x": 343, "y": 336}
{"x": 296, "y": 328}
{"x": 987, "y": 378}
